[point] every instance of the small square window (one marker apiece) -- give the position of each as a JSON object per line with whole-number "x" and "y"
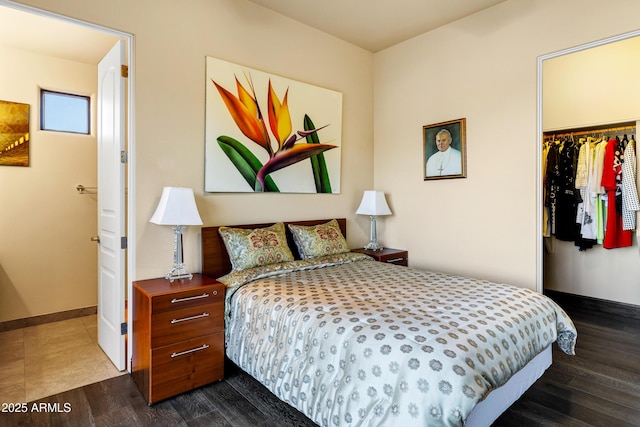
{"x": 64, "y": 112}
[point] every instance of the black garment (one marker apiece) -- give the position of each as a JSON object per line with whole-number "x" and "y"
{"x": 567, "y": 196}
{"x": 552, "y": 174}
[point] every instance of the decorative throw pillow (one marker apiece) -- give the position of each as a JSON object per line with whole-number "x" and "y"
{"x": 253, "y": 247}
{"x": 319, "y": 240}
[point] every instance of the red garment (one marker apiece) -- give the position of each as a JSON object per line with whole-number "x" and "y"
{"x": 615, "y": 236}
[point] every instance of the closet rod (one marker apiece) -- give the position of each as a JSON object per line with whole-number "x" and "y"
{"x": 590, "y": 132}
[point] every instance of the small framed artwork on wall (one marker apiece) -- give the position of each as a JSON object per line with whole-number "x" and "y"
{"x": 14, "y": 134}
{"x": 445, "y": 150}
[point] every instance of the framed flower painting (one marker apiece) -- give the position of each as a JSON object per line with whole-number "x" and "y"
{"x": 266, "y": 133}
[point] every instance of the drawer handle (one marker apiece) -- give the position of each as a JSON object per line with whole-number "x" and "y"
{"x": 395, "y": 259}
{"x": 202, "y": 347}
{"x": 175, "y": 300}
{"x": 184, "y": 319}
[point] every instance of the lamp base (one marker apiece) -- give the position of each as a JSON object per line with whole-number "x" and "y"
{"x": 373, "y": 246}
{"x": 373, "y": 236}
{"x": 178, "y": 272}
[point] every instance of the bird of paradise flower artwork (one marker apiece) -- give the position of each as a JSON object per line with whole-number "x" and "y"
{"x": 272, "y": 131}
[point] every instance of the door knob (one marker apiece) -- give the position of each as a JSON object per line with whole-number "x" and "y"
{"x": 95, "y": 239}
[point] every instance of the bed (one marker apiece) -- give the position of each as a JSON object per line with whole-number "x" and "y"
{"x": 349, "y": 341}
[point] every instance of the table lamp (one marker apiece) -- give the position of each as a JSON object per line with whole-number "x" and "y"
{"x": 373, "y": 204}
{"x": 177, "y": 207}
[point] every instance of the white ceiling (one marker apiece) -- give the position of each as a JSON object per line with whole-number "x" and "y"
{"x": 371, "y": 24}
{"x": 376, "y": 24}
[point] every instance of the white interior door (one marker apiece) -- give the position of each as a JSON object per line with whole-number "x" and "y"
{"x": 111, "y": 206}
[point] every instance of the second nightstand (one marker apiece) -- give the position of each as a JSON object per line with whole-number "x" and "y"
{"x": 388, "y": 255}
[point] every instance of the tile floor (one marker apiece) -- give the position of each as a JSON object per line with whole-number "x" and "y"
{"x": 42, "y": 360}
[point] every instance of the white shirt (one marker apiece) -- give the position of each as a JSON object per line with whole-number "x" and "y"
{"x": 630, "y": 202}
{"x": 448, "y": 162}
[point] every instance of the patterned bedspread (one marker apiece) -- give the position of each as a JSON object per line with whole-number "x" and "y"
{"x": 365, "y": 343}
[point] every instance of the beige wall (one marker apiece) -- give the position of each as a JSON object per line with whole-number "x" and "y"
{"x": 483, "y": 68}
{"x": 171, "y": 42}
{"x": 47, "y": 262}
{"x": 592, "y": 87}
{"x": 597, "y": 86}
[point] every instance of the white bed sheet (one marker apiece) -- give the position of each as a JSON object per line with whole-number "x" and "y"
{"x": 487, "y": 411}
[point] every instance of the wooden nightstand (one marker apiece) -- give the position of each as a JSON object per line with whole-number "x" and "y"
{"x": 178, "y": 335}
{"x": 388, "y": 255}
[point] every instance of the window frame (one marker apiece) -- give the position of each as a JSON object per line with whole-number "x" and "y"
{"x": 45, "y": 92}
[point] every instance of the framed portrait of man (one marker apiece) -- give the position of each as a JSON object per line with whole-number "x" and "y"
{"x": 445, "y": 150}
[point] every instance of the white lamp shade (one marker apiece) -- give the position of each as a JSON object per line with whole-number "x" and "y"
{"x": 177, "y": 206}
{"x": 373, "y": 203}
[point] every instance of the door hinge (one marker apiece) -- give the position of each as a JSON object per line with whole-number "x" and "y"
{"x": 124, "y": 71}
{"x": 123, "y": 328}
{"x": 124, "y": 157}
{"x": 123, "y": 242}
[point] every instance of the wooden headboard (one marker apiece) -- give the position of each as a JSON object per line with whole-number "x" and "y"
{"x": 215, "y": 260}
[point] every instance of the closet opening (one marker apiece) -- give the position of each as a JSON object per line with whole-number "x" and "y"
{"x": 587, "y": 100}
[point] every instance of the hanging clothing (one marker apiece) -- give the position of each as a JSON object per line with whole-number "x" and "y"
{"x": 581, "y": 180}
{"x": 630, "y": 203}
{"x": 590, "y": 193}
{"x": 597, "y": 190}
{"x": 566, "y": 195}
{"x": 552, "y": 180}
{"x": 546, "y": 220}
{"x": 601, "y": 210}
{"x": 615, "y": 236}
{"x": 582, "y": 168}
{"x": 586, "y": 216}
{"x": 601, "y": 148}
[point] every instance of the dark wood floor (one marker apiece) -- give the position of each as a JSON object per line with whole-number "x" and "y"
{"x": 600, "y": 386}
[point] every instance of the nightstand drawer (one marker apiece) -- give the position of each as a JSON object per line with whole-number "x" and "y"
{"x": 186, "y": 365}
{"x": 177, "y": 325}
{"x": 188, "y": 298}
{"x": 387, "y": 255}
{"x": 398, "y": 259}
